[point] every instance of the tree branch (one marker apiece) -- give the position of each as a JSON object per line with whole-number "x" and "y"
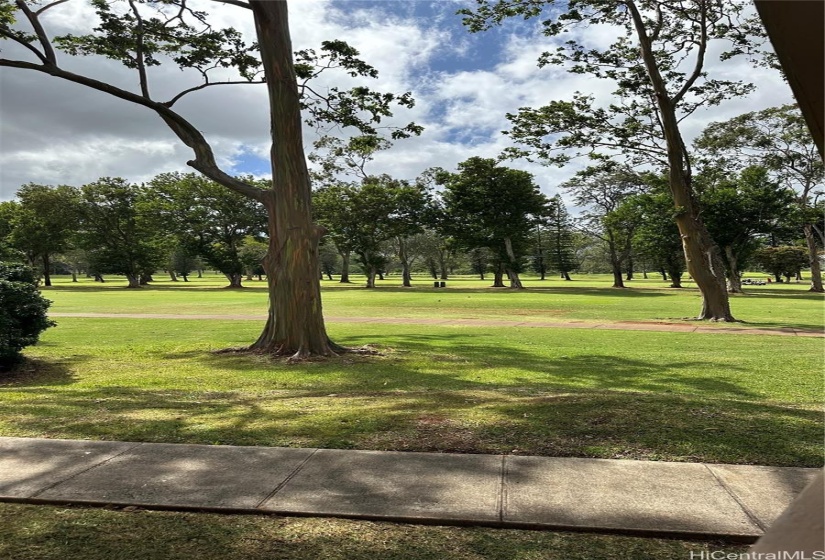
{"x": 8, "y": 33}
{"x": 204, "y": 158}
{"x": 48, "y": 50}
{"x": 141, "y": 67}
{"x": 47, "y": 6}
{"x": 207, "y": 84}
{"x": 700, "y": 56}
{"x": 239, "y": 3}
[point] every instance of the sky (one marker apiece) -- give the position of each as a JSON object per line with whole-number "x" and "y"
{"x": 54, "y": 132}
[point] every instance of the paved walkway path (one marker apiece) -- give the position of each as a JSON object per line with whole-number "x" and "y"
{"x": 459, "y": 322}
{"x": 637, "y": 497}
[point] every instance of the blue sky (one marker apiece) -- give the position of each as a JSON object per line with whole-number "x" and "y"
{"x": 464, "y": 84}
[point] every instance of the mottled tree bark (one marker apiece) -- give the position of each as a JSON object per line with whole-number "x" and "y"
{"x": 295, "y": 325}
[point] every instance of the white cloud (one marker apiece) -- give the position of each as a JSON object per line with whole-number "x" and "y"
{"x": 56, "y": 132}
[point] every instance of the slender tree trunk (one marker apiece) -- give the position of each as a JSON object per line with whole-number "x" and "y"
{"x": 380, "y": 274}
{"x": 173, "y": 276}
{"x": 200, "y": 273}
{"x": 629, "y": 269}
{"x": 295, "y": 326}
{"x": 702, "y": 255}
{"x": 664, "y": 275}
{"x": 813, "y": 256}
{"x": 74, "y": 274}
{"x": 185, "y": 277}
{"x": 515, "y": 281}
{"x": 47, "y": 265}
{"x": 615, "y": 264}
{"x": 734, "y": 275}
{"x": 406, "y": 280}
{"x": 345, "y": 267}
{"x": 618, "y": 280}
{"x": 234, "y": 280}
{"x": 133, "y": 279}
{"x": 566, "y": 275}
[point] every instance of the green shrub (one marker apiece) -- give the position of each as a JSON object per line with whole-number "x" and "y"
{"x": 22, "y": 312}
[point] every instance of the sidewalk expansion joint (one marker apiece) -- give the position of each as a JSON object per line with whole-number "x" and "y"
{"x": 75, "y": 475}
{"x": 748, "y": 511}
{"x": 289, "y": 477}
{"x": 502, "y": 491}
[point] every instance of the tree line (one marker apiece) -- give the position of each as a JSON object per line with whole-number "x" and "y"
{"x": 482, "y": 218}
{"x": 657, "y": 63}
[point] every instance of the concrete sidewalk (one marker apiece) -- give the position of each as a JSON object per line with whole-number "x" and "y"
{"x": 636, "y": 497}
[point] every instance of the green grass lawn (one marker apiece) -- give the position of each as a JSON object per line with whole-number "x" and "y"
{"x": 558, "y": 392}
{"x": 588, "y": 298}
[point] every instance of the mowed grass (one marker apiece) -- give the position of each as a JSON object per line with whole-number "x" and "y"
{"x": 612, "y": 394}
{"x": 59, "y": 533}
{"x": 587, "y": 298}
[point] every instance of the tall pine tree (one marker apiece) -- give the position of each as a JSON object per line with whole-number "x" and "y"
{"x": 561, "y": 255}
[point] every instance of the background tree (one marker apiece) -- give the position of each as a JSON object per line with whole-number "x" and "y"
{"x": 43, "y": 224}
{"x": 330, "y": 259}
{"x": 494, "y": 207}
{"x": 209, "y": 220}
{"x": 561, "y": 253}
{"x": 119, "y": 230}
{"x": 182, "y": 261}
{"x": 785, "y": 260}
{"x": 737, "y": 208}
{"x": 658, "y": 66}
{"x": 8, "y": 210}
{"x": 602, "y": 192}
{"x": 145, "y": 34}
{"x": 656, "y": 238}
{"x": 22, "y": 312}
{"x": 251, "y": 253}
{"x": 778, "y": 139}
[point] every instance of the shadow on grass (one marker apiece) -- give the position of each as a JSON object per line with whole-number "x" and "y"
{"x": 605, "y": 424}
{"x": 38, "y": 372}
{"x": 458, "y": 366}
{"x": 56, "y": 533}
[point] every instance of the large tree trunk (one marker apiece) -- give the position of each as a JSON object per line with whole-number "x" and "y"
{"x": 295, "y": 326}
{"x": 345, "y": 267}
{"x": 734, "y": 276}
{"x": 133, "y": 279}
{"x": 47, "y": 278}
{"x": 813, "y": 256}
{"x": 702, "y": 255}
{"x": 565, "y": 275}
{"x": 234, "y": 280}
